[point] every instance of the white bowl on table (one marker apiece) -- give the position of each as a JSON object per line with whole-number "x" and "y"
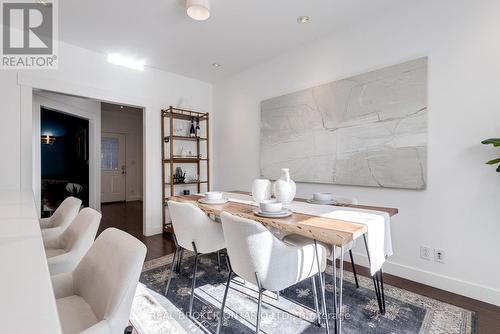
{"x": 213, "y": 196}
{"x": 270, "y": 206}
{"x": 322, "y": 197}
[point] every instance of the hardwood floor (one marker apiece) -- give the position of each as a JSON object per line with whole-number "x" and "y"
{"x": 128, "y": 217}
{"x": 488, "y": 315}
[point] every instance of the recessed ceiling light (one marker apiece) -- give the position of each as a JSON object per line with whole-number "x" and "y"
{"x": 303, "y": 19}
{"x": 198, "y": 10}
{"x": 118, "y": 59}
{"x": 216, "y": 65}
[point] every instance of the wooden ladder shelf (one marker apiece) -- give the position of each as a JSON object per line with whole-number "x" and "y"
{"x": 169, "y": 160}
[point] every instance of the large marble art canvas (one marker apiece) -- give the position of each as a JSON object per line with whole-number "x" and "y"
{"x": 369, "y": 130}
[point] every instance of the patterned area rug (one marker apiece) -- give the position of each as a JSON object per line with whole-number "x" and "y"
{"x": 293, "y": 312}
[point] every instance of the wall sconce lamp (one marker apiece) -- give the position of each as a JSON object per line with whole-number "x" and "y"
{"x": 48, "y": 139}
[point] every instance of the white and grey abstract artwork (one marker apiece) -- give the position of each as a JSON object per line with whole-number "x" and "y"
{"x": 369, "y": 130}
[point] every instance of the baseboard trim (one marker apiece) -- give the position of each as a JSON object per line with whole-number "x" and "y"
{"x": 134, "y": 198}
{"x": 468, "y": 289}
{"x": 154, "y": 230}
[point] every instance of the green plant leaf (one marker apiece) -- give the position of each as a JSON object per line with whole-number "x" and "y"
{"x": 493, "y": 162}
{"x": 494, "y": 141}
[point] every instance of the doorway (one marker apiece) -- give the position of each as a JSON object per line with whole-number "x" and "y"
{"x": 76, "y": 108}
{"x": 64, "y": 153}
{"x": 113, "y": 167}
{"x": 89, "y": 108}
{"x": 121, "y": 167}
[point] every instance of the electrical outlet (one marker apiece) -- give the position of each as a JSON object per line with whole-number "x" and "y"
{"x": 425, "y": 253}
{"x": 438, "y": 256}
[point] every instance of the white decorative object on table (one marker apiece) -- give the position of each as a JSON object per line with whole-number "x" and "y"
{"x": 280, "y": 214}
{"x": 284, "y": 187}
{"x": 322, "y": 197}
{"x": 213, "y": 201}
{"x": 261, "y": 190}
{"x": 271, "y": 206}
{"x": 213, "y": 197}
{"x": 330, "y": 202}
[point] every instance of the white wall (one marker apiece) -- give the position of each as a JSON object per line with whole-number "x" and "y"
{"x": 128, "y": 123}
{"x": 85, "y": 73}
{"x": 459, "y": 211}
{"x": 10, "y": 165}
{"x": 83, "y": 108}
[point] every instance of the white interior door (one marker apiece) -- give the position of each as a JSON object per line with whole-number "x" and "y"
{"x": 113, "y": 167}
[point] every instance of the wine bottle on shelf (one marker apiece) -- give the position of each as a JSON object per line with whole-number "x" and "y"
{"x": 192, "y": 131}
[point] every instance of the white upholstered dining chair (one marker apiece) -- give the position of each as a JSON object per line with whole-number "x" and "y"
{"x": 196, "y": 232}
{"x": 65, "y": 251}
{"x": 96, "y": 298}
{"x": 56, "y": 224}
{"x": 257, "y": 256}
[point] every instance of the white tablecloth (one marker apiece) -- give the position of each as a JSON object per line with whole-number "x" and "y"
{"x": 378, "y": 224}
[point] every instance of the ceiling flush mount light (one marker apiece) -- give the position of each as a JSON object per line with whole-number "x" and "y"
{"x": 303, "y": 19}
{"x": 216, "y": 65}
{"x": 118, "y": 59}
{"x": 198, "y": 10}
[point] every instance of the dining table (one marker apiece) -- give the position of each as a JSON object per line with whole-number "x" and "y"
{"x": 308, "y": 220}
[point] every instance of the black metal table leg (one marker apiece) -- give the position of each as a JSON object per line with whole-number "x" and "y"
{"x": 179, "y": 260}
{"x": 377, "y": 283}
{"x": 354, "y": 269}
{"x": 382, "y": 292}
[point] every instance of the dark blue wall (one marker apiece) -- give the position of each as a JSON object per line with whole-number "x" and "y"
{"x": 66, "y": 160}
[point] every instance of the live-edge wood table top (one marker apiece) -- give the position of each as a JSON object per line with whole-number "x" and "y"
{"x": 331, "y": 231}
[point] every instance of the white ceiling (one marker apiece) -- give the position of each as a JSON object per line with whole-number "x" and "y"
{"x": 239, "y": 33}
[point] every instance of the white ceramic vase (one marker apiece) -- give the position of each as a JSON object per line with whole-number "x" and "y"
{"x": 284, "y": 187}
{"x": 261, "y": 190}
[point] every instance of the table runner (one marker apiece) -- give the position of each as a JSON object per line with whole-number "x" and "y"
{"x": 378, "y": 224}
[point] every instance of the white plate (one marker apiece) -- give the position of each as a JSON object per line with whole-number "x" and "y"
{"x": 217, "y": 201}
{"x": 273, "y": 213}
{"x": 312, "y": 201}
{"x": 282, "y": 214}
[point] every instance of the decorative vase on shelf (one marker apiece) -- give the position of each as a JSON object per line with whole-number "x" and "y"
{"x": 261, "y": 190}
{"x": 284, "y": 187}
